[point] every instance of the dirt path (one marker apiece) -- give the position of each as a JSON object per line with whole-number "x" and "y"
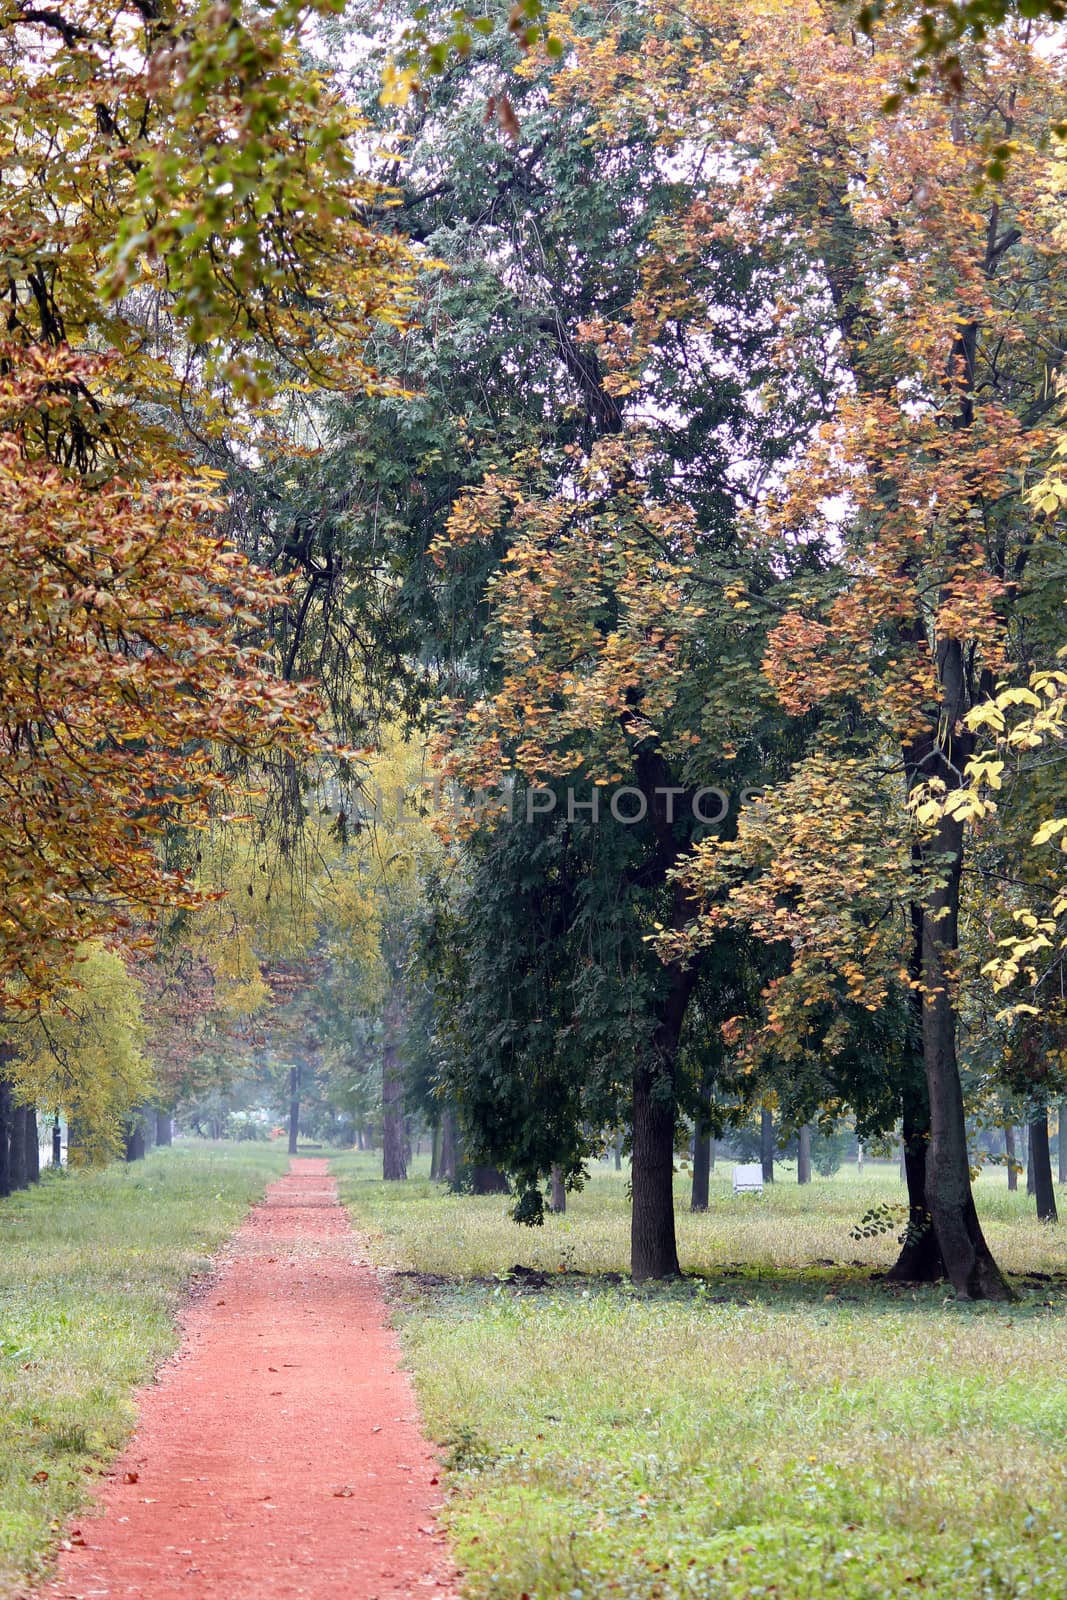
{"x": 279, "y": 1455}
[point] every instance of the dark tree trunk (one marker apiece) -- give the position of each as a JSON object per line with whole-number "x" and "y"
{"x": 394, "y": 1141}
{"x": 134, "y": 1137}
{"x": 804, "y": 1154}
{"x": 1009, "y": 1157}
{"x": 653, "y": 1244}
{"x": 488, "y": 1180}
{"x": 19, "y": 1158}
{"x": 766, "y": 1144}
{"x": 449, "y": 1152}
{"x": 294, "y": 1108}
{"x": 33, "y": 1145}
{"x": 1061, "y": 1141}
{"x": 148, "y": 1127}
{"x": 968, "y": 1261}
{"x": 919, "y": 1260}
{"x": 701, "y": 1169}
{"x": 5, "y": 1127}
{"x": 618, "y": 1152}
{"x": 558, "y": 1196}
{"x": 1041, "y": 1164}
{"x": 57, "y": 1144}
{"x": 653, "y": 1241}
{"x": 435, "y": 1151}
{"x": 164, "y": 1128}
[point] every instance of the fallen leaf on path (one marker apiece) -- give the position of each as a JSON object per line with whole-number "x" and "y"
{"x": 344, "y": 1493}
{"x": 130, "y": 1477}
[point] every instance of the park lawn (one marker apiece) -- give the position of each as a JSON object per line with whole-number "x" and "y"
{"x": 771, "y": 1427}
{"x": 93, "y": 1266}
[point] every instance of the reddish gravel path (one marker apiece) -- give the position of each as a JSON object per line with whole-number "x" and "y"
{"x": 279, "y": 1455}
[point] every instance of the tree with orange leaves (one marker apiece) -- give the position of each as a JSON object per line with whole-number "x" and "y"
{"x": 187, "y": 233}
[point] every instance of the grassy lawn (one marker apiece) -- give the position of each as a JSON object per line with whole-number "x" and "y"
{"x": 777, "y": 1426}
{"x": 92, "y": 1267}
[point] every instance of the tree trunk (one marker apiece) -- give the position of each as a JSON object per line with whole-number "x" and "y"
{"x": 766, "y": 1144}
{"x": 148, "y": 1127}
{"x": 919, "y": 1260}
{"x": 653, "y": 1244}
{"x": 5, "y": 1124}
{"x": 653, "y": 1241}
{"x": 57, "y": 1144}
{"x": 1041, "y": 1162}
{"x": 435, "y": 1151}
{"x": 618, "y": 1152}
{"x": 134, "y": 1137}
{"x": 968, "y": 1260}
{"x": 394, "y": 1143}
{"x": 33, "y": 1145}
{"x": 1061, "y": 1141}
{"x": 558, "y": 1198}
{"x": 1009, "y": 1157}
{"x": 859, "y": 1158}
{"x": 294, "y": 1107}
{"x": 701, "y": 1169}
{"x": 488, "y": 1180}
{"x": 164, "y": 1128}
{"x": 18, "y": 1159}
{"x": 804, "y": 1154}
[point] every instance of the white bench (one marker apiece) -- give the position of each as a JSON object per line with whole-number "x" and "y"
{"x": 749, "y": 1179}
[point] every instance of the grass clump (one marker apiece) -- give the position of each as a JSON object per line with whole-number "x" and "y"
{"x": 92, "y": 1268}
{"x": 780, "y": 1425}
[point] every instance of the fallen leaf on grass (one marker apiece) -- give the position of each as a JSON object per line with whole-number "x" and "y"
{"x": 39, "y": 1477}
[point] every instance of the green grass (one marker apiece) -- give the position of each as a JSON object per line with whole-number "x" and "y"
{"x": 772, "y": 1427}
{"x": 92, "y": 1268}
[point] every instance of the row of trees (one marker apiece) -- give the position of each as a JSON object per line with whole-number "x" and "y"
{"x": 690, "y": 426}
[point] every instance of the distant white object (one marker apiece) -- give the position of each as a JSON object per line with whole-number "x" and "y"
{"x": 749, "y": 1179}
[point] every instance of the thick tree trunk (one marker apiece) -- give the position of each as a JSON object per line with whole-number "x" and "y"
{"x": 804, "y": 1154}
{"x": 294, "y": 1108}
{"x": 488, "y": 1180}
{"x": 766, "y": 1144}
{"x": 394, "y": 1141}
{"x": 969, "y": 1263}
{"x": 919, "y": 1260}
{"x": 134, "y": 1138}
{"x": 164, "y": 1128}
{"x": 1061, "y": 1141}
{"x": 558, "y": 1196}
{"x": 18, "y": 1160}
{"x": 701, "y": 1169}
{"x": 33, "y": 1145}
{"x": 1009, "y": 1157}
{"x": 1041, "y": 1164}
{"x": 653, "y": 1244}
{"x": 653, "y": 1241}
{"x": 5, "y": 1126}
